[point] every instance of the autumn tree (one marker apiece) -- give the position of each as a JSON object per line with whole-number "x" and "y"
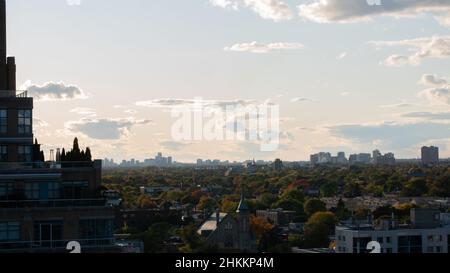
{"x": 318, "y": 229}
{"x": 314, "y": 205}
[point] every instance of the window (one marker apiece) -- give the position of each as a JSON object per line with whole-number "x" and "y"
{"x": 54, "y": 191}
{"x": 3, "y": 121}
{"x": 32, "y": 191}
{"x": 380, "y": 240}
{"x": 75, "y": 189}
{"x": 24, "y": 154}
{"x": 48, "y": 234}
{"x": 24, "y": 122}
{"x": 389, "y": 250}
{"x": 5, "y": 190}
{"x": 9, "y": 231}
{"x": 3, "y": 153}
{"x": 94, "y": 229}
{"x": 388, "y": 240}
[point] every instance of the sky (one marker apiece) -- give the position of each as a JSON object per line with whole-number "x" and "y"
{"x": 353, "y": 76}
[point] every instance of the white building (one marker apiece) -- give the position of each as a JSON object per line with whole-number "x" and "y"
{"x": 426, "y": 234}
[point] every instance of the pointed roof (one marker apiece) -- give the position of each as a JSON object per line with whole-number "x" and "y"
{"x": 243, "y": 207}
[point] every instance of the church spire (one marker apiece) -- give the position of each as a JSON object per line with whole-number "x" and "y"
{"x": 243, "y": 207}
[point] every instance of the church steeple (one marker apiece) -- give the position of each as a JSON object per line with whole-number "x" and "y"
{"x": 243, "y": 207}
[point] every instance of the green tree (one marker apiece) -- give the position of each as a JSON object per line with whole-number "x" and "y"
{"x": 318, "y": 229}
{"x": 441, "y": 186}
{"x": 155, "y": 237}
{"x": 207, "y": 203}
{"x": 329, "y": 189}
{"x": 314, "y": 205}
{"x": 415, "y": 187}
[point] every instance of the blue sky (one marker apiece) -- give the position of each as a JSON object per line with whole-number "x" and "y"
{"x": 347, "y": 75}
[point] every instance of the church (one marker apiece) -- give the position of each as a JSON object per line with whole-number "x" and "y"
{"x": 230, "y": 232}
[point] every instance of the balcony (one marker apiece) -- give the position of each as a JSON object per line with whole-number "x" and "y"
{"x": 87, "y": 245}
{"x": 48, "y": 204}
{"x": 20, "y": 166}
{"x": 13, "y": 94}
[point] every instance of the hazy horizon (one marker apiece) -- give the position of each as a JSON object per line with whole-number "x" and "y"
{"x": 345, "y": 79}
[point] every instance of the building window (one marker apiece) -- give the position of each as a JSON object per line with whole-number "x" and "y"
{"x": 24, "y": 122}
{"x": 3, "y": 153}
{"x": 24, "y": 154}
{"x": 32, "y": 191}
{"x": 5, "y": 190}
{"x": 96, "y": 231}
{"x": 75, "y": 189}
{"x": 9, "y": 231}
{"x": 54, "y": 190}
{"x": 3, "y": 121}
{"x": 48, "y": 234}
{"x": 388, "y": 250}
{"x": 388, "y": 240}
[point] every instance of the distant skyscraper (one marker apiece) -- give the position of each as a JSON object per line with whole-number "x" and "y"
{"x": 430, "y": 155}
{"x": 278, "y": 164}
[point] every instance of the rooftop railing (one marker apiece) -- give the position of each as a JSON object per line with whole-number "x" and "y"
{"x": 56, "y": 245}
{"x": 45, "y": 165}
{"x": 14, "y": 93}
{"x": 62, "y": 203}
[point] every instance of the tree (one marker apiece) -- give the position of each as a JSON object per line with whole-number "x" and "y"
{"x": 88, "y": 155}
{"x": 193, "y": 243}
{"x": 441, "y": 186}
{"x": 145, "y": 202}
{"x": 329, "y": 189}
{"x": 155, "y": 237}
{"x": 415, "y": 187}
{"x": 318, "y": 229}
{"x": 207, "y": 203}
{"x": 314, "y": 205}
{"x": 352, "y": 189}
{"x": 260, "y": 226}
{"x": 290, "y": 204}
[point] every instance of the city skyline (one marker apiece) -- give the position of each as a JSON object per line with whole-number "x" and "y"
{"x": 113, "y": 77}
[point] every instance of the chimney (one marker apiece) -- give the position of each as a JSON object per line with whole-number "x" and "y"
{"x": 7, "y": 66}
{"x": 3, "y": 32}
{"x": 218, "y": 217}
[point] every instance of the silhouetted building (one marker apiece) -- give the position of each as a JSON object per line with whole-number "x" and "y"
{"x": 430, "y": 155}
{"x": 43, "y": 205}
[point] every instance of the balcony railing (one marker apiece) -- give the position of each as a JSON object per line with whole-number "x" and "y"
{"x": 56, "y": 245}
{"x": 62, "y": 203}
{"x": 14, "y": 93}
{"x": 45, "y": 165}
{"x": 22, "y": 94}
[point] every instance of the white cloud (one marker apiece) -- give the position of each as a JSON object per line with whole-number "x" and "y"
{"x": 432, "y": 80}
{"x": 347, "y": 11}
{"x": 170, "y": 102}
{"x": 52, "y": 91}
{"x": 104, "y": 129}
{"x": 256, "y": 47}
{"x": 84, "y": 111}
{"x": 73, "y": 2}
{"x": 275, "y": 10}
{"x": 438, "y": 96}
{"x": 342, "y": 56}
{"x": 300, "y": 99}
{"x": 402, "y": 104}
{"x": 439, "y": 93}
{"x": 436, "y": 47}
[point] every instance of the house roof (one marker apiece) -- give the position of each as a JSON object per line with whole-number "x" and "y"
{"x": 211, "y": 223}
